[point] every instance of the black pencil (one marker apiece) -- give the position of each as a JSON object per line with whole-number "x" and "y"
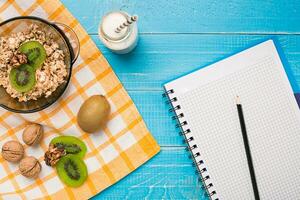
{"x": 247, "y": 147}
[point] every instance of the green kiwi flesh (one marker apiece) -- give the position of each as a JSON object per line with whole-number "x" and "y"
{"x": 71, "y": 144}
{"x": 72, "y": 170}
{"x": 22, "y": 78}
{"x": 35, "y": 52}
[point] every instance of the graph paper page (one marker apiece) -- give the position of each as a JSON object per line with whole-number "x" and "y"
{"x": 207, "y": 99}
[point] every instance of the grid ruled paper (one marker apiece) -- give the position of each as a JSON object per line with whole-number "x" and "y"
{"x": 207, "y": 99}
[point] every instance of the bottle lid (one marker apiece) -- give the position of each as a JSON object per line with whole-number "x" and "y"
{"x": 109, "y": 24}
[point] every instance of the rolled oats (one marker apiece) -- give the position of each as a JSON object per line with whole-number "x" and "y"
{"x": 49, "y": 76}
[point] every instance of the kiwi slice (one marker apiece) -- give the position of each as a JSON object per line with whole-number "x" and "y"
{"x": 35, "y": 52}
{"x": 22, "y": 78}
{"x": 71, "y": 144}
{"x": 72, "y": 170}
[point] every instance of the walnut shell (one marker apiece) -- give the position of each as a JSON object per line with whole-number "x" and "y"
{"x": 30, "y": 167}
{"x": 12, "y": 151}
{"x": 33, "y": 134}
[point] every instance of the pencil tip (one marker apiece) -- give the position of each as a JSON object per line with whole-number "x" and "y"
{"x": 238, "y": 101}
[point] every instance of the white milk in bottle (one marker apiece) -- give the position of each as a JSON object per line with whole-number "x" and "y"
{"x": 118, "y": 31}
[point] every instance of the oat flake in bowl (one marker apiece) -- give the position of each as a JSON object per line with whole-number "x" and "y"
{"x": 36, "y": 61}
{"x": 48, "y": 76}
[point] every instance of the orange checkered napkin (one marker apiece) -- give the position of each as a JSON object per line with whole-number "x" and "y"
{"x": 123, "y": 145}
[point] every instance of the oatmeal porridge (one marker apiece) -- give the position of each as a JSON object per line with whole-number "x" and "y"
{"x": 31, "y": 64}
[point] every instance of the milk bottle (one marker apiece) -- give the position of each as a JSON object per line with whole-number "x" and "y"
{"x": 118, "y": 31}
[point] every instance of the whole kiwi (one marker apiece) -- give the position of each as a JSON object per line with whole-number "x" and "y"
{"x": 93, "y": 113}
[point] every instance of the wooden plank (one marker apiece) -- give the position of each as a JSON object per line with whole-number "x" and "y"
{"x": 155, "y": 113}
{"x": 159, "y": 58}
{"x": 194, "y": 16}
{"x": 169, "y": 175}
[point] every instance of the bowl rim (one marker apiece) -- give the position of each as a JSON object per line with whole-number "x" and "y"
{"x": 71, "y": 63}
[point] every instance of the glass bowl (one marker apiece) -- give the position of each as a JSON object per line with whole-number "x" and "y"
{"x": 68, "y": 42}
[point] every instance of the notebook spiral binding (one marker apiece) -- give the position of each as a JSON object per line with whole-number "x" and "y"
{"x": 192, "y": 148}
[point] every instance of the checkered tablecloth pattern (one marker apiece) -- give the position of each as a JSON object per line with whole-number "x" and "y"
{"x": 123, "y": 145}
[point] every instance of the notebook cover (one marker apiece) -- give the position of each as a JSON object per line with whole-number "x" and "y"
{"x": 283, "y": 59}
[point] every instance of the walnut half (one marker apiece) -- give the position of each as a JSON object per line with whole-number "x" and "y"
{"x": 18, "y": 59}
{"x": 53, "y": 155}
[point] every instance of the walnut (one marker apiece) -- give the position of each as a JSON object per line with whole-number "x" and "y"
{"x": 53, "y": 155}
{"x": 30, "y": 167}
{"x": 12, "y": 151}
{"x": 18, "y": 59}
{"x": 33, "y": 134}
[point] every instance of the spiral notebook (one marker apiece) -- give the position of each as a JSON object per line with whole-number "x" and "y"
{"x": 204, "y": 104}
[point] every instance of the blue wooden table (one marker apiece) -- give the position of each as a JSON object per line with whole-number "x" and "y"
{"x": 177, "y": 36}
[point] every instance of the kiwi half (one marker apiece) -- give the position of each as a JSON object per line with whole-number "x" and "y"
{"x": 71, "y": 144}
{"x": 72, "y": 170}
{"x": 22, "y": 78}
{"x": 35, "y": 52}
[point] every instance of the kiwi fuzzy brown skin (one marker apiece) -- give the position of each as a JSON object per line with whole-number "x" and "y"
{"x": 72, "y": 170}
{"x": 22, "y": 78}
{"x": 71, "y": 144}
{"x": 35, "y": 52}
{"x": 93, "y": 113}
